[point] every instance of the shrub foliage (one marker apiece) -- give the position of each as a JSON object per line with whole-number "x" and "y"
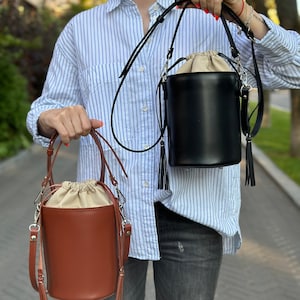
{"x": 27, "y": 39}
{"x": 26, "y": 44}
{"x": 13, "y": 107}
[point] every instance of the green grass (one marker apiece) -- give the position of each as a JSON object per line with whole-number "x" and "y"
{"x": 275, "y": 143}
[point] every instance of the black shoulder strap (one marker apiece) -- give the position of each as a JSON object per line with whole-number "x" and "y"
{"x": 248, "y": 130}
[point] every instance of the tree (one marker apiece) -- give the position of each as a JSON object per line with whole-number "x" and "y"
{"x": 289, "y": 19}
{"x": 259, "y": 6}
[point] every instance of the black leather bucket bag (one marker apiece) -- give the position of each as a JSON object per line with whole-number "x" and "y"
{"x": 203, "y": 119}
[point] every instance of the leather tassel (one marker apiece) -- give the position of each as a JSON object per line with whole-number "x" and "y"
{"x": 250, "y": 176}
{"x": 120, "y": 284}
{"x": 163, "y": 178}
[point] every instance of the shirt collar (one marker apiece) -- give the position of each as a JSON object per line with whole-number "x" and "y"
{"x": 112, "y": 4}
{"x": 165, "y": 3}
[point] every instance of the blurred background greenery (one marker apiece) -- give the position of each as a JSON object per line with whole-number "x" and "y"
{"x": 28, "y": 31}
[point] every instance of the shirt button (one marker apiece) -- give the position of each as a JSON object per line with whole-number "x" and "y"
{"x": 146, "y": 147}
{"x": 145, "y": 108}
{"x": 146, "y": 184}
{"x": 141, "y": 69}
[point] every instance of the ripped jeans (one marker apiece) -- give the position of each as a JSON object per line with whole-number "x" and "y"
{"x": 191, "y": 256}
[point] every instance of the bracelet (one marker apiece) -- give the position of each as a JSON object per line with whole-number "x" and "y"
{"x": 243, "y": 7}
{"x": 248, "y": 22}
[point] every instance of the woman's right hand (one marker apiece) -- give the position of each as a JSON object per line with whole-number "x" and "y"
{"x": 69, "y": 122}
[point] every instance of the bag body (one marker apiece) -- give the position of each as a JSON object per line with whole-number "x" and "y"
{"x": 79, "y": 248}
{"x": 203, "y": 119}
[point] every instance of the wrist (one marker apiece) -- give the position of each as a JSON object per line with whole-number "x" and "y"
{"x": 242, "y": 9}
{"x": 247, "y": 15}
{"x": 246, "y": 12}
{"x": 253, "y": 21}
{"x": 44, "y": 130}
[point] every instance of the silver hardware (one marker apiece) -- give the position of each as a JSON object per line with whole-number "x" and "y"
{"x": 165, "y": 71}
{"x": 34, "y": 227}
{"x": 38, "y": 198}
{"x": 242, "y": 74}
{"x": 37, "y": 212}
{"x": 121, "y": 198}
{"x": 38, "y": 202}
{"x": 122, "y": 201}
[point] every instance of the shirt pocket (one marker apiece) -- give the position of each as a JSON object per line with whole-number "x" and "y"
{"x": 101, "y": 78}
{"x": 100, "y": 84}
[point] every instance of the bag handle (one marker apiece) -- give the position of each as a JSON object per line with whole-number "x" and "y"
{"x": 123, "y": 228}
{"x": 104, "y": 165}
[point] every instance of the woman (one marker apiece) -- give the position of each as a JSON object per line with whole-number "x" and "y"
{"x": 185, "y": 229}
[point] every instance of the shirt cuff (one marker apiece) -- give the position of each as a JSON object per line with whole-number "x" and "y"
{"x": 277, "y": 42}
{"x": 32, "y": 125}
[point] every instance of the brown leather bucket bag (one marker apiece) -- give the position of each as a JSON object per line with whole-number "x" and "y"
{"x": 83, "y": 236}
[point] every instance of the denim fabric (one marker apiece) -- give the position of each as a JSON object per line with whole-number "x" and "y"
{"x": 191, "y": 256}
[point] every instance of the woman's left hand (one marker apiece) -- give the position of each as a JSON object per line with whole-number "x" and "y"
{"x": 241, "y": 8}
{"x": 215, "y": 6}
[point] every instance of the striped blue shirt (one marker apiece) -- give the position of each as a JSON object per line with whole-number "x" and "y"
{"x": 87, "y": 61}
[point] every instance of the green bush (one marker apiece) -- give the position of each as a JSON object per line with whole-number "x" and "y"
{"x": 30, "y": 38}
{"x": 14, "y": 106}
{"x": 26, "y": 44}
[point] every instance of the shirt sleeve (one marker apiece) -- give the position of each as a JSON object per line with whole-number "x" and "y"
{"x": 278, "y": 56}
{"x": 61, "y": 87}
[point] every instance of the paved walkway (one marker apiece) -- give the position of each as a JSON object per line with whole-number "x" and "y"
{"x": 266, "y": 268}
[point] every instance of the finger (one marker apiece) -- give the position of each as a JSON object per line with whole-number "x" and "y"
{"x": 79, "y": 122}
{"x": 216, "y": 8}
{"x": 84, "y": 123}
{"x": 72, "y": 122}
{"x": 188, "y": 4}
{"x": 211, "y": 6}
{"x": 96, "y": 123}
{"x": 204, "y": 5}
{"x": 65, "y": 131}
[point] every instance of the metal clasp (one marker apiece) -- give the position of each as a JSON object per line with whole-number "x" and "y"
{"x": 37, "y": 203}
{"x": 122, "y": 201}
{"x": 38, "y": 198}
{"x": 121, "y": 198}
{"x": 34, "y": 227}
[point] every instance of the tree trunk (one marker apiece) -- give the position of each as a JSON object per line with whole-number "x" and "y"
{"x": 267, "y": 120}
{"x": 288, "y": 15}
{"x": 259, "y": 6}
{"x": 295, "y": 122}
